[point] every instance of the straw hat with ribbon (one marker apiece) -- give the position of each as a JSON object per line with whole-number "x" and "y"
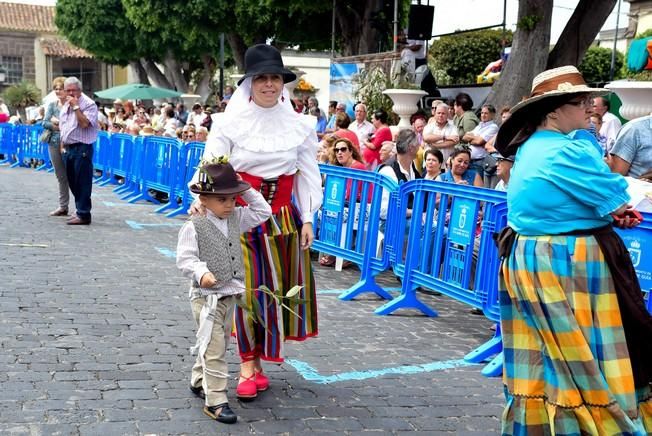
{"x": 552, "y": 83}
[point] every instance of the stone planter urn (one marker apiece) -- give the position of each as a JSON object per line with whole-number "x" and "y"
{"x": 405, "y": 103}
{"x": 635, "y": 96}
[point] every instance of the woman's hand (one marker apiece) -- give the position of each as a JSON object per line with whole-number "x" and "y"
{"x": 623, "y": 217}
{"x": 196, "y": 208}
{"x": 307, "y": 236}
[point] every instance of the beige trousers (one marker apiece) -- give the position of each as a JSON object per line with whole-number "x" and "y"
{"x": 213, "y": 377}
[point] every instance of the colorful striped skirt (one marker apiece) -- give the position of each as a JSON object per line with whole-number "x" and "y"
{"x": 273, "y": 258}
{"x": 566, "y": 364}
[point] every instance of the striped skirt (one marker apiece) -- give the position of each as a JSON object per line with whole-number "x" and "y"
{"x": 273, "y": 258}
{"x": 566, "y": 364}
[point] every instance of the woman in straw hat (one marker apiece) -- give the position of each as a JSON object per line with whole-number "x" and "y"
{"x": 573, "y": 321}
{"x": 273, "y": 148}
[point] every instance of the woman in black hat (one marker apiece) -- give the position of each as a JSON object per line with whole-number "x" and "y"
{"x": 575, "y": 330}
{"x": 273, "y": 148}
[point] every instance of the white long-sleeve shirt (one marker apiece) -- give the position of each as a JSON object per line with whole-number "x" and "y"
{"x": 269, "y": 143}
{"x": 256, "y": 212}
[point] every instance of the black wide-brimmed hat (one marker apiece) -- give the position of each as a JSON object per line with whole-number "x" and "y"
{"x": 549, "y": 84}
{"x": 265, "y": 59}
{"x": 218, "y": 179}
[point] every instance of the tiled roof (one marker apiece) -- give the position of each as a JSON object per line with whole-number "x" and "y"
{"x": 58, "y": 47}
{"x": 27, "y": 18}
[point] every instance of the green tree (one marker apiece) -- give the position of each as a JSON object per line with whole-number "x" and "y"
{"x": 531, "y": 52}
{"x": 464, "y": 56}
{"x": 596, "y": 65}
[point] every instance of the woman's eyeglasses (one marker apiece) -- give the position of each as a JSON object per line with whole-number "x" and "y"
{"x": 58, "y": 89}
{"x": 341, "y": 149}
{"x": 585, "y": 103}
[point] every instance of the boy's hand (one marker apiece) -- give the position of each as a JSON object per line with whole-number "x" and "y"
{"x": 208, "y": 280}
{"x": 196, "y": 208}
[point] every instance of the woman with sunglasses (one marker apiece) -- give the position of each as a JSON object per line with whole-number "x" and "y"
{"x": 51, "y": 124}
{"x": 577, "y": 357}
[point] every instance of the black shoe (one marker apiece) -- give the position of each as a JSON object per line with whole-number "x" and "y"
{"x": 199, "y": 392}
{"x": 476, "y": 311}
{"x": 226, "y": 415}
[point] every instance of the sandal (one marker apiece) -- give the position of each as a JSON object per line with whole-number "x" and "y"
{"x": 327, "y": 260}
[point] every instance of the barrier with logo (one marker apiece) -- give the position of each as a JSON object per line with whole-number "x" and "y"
{"x": 350, "y": 221}
{"x": 638, "y": 241}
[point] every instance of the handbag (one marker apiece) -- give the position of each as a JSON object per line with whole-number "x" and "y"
{"x": 45, "y": 136}
{"x": 490, "y": 163}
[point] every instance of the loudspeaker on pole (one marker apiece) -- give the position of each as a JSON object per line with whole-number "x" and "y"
{"x": 420, "y": 22}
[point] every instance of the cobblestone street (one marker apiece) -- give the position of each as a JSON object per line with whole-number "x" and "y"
{"x": 95, "y": 327}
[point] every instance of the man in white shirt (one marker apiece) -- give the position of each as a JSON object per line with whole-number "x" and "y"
{"x": 478, "y": 137}
{"x": 360, "y": 126}
{"x": 442, "y": 134}
{"x": 401, "y": 170}
{"x": 610, "y": 123}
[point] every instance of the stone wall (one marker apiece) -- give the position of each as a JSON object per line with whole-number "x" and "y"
{"x": 22, "y": 45}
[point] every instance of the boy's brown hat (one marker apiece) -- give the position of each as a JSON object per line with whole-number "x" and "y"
{"x": 218, "y": 179}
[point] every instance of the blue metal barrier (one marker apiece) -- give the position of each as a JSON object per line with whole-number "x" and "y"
{"x": 7, "y": 143}
{"x": 28, "y": 147}
{"x": 132, "y": 184}
{"x": 189, "y": 156}
{"x": 638, "y": 241}
{"x": 120, "y": 157}
{"x": 352, "y": 203}
{"x": 160, "y": 161}
{"x": 101, "y": 156}
{"x": 441, "y": 257}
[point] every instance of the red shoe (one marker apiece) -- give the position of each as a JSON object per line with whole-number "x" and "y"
{"x": 247, "y": 390}
{"x": 262, "y": 382}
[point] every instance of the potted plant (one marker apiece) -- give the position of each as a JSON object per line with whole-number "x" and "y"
{"x": 22, "y": 95}
{"x": 404, "y": 93}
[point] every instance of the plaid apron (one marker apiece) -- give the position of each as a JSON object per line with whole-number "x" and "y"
{"x": 566, "y": 363}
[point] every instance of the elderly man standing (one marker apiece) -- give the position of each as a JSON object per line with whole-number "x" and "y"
{"x": 78, "y": 124}
{"x": 360, "y": 126}
{"x": 610, "y": 123}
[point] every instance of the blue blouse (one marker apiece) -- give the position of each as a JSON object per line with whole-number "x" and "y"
{"x": 468, "y": 176}
{"x": 560, "y": 183}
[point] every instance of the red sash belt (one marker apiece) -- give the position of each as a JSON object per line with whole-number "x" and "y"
{"x": 277, "y": 192}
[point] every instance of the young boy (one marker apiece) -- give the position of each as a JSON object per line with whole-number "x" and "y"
{"x": 210, "y": 254}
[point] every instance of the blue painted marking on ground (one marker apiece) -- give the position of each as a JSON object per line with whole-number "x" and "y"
{"x": 140, "y": 226}
{"x": 167, "y": 252}
{"x": 339, "y": 291}
{"x": 310, "y": 374}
